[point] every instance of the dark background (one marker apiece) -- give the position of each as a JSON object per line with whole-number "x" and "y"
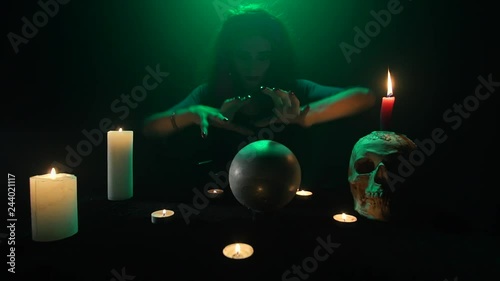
{"x": 66, "y": 77}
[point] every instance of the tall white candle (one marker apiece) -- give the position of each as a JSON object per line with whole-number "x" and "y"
{"x": 120, "y": 165}
{"x": 54, "y": 207}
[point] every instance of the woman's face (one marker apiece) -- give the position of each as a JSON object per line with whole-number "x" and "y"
{"x": 251, "y": 59}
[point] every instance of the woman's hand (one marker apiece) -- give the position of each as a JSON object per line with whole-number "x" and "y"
{"x": 232, "y": 105}
{"x": 286, "y": 110}
{"x": 206, "y": 116}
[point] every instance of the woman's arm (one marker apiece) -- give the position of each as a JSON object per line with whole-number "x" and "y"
{"x": 175, "y": 118}
{"x": 338, "y": 105}
{"x": 189, "y": 112}
{"x": 167, "y": 122}
{"x": 315, "y": 103}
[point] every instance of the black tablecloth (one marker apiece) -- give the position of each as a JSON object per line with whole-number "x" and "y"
{"x": 117, "y": 241}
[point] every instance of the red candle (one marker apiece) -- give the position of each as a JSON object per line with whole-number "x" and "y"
{"x": 387, "y": 105}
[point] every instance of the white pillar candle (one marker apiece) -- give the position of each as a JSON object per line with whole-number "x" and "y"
{"x": 54, "y": 207}
{"x": 120, "y": 165}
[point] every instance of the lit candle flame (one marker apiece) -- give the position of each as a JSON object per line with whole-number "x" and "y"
{"x": 164, "y": 212}
{"x": 389, "y": 84}
{"x": 237, "y": 249}
{"x": 119, "y": 130}
{"x": 344, "y": 216}
{"x": 53, "y": 173}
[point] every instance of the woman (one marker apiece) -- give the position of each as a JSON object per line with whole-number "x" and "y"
{"x": 253, "y": 85}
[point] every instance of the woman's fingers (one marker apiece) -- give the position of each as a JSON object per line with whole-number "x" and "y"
{"x": 281, "y": 98}
{"x": 218, "y": 120}
{"x": 204, "y": 125}
{"x": 278, "y": 102}
{"x": 235, "y": 100}
{"x": 291, "y": 114}
{"x": 284, "y": 96}
{"x": 222, "y": 117}
{"x": 295, "y": 104}
{"x": 232, "y": 105}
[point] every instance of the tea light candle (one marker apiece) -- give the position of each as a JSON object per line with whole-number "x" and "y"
{"x": 120, "y": 165}
{"x": 161, "y": 216}
{"x": 238, "y": 251}
{"x": 215, "y": 193}
{"x": 54, "y": 208}
{"x": 344, "y": 218}
{"x": 303, "y": 193}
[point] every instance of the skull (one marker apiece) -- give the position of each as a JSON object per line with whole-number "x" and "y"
{"x": 374, "y": 157}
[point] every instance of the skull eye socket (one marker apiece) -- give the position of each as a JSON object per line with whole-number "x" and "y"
{"x": 364, "y": 166}
{"x": 392, "y": 161}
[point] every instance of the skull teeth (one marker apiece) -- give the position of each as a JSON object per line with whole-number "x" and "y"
{"x": 374, "y": 201}
{"x": 377, "y": 194}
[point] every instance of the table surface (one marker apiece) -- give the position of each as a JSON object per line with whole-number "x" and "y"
{"x": 117, "y": 241}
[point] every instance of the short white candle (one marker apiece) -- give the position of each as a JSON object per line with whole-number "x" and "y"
{"x": 120, "y": 165}
{"x": 161, "y": 216}
{"x": 54, "y": 206}
{"x": 215, "y": 193}
{"x": 303, "y": 193}
{"x": 238, "y": 251}
{"x": 345, "y": 218}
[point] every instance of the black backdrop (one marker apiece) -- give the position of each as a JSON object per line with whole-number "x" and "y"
{"x": 67, "y": 76}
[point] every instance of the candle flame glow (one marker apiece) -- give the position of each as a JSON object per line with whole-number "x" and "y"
{"x": 344, "y": 216}
{"x": 237, "y": 249}
{"x": 389, "y": 84}
{"x": 119, "y": 130}
{"x": 53, "y": 173}
{"x": 164, "y": 212}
